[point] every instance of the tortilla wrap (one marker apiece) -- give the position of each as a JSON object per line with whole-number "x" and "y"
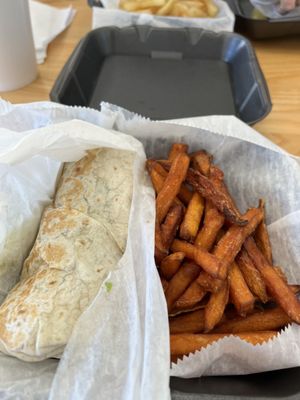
{"x": 81, "y": 239}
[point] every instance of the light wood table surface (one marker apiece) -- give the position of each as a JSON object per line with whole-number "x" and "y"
{"x": 279, "y": 60}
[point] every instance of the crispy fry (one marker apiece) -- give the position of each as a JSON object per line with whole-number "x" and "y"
{"x": 186, "y": 343}
{"x": 272, "y": 319}
{"x": 160, "y": 251}
{"x": 215, "y": 307}
{"x": 261, "y": 237}
{"x": 201, "y": 161}
{"x": 186, "y": 274}
{"x": 171, "y": 186}
{"x": 208, "y": 283}
{"x": 208, "y": 188}
{"x": 171, "y": 224}
{"x": 252, "y": 276}
{"x": 240, "y": 294}
{"x": 177, "y": 148}
{"x": 158, "y": 176}
{"x": 191, "y": 221}
{"x": 170, "y": 264}
{"x": 231, "y": 243}
{"x": 192, "y": 322}
{"x": 213, "y": 222}
{"x": 210, "y": 263}
{"x": 279, "y": 290}
{"x": 191, "y": 297}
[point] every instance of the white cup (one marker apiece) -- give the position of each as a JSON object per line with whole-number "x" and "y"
{"x": 17, "y": 55}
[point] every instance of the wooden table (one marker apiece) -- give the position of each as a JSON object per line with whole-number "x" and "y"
{"x": 279, "y": 59}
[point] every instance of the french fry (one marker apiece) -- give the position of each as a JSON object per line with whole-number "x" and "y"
{"x": 208, "y": 188}
{"x": 214, "y": 310}
{"x": 171, "y": 224}
{"x": 231, "y": 243}
{"x": 171, "y": 186}
{"x": 201, "y": 161}
{"x": 186, "y": 274}
{"x": 160, "y": 251}
{"x": 240, "y": 294}
{"x": 261, "y": 237}
{"x": 192, "y": 322}
{"x": 133, "y": 5}
{"x": 212, "y": 9}
{"x": 186, "y": 343}
{"x": 208, "y": 283}
{"x": 210, "y": 263}
{"x": 190, "y": 298}
{"x": 279, "y": 290}
{"x": 270, "y": 319}
{"x": 177, "y": 148}
{"x": 213, "y": 222}
{"x": 191, "y": 221}
{"x": 252, "y": 276}
{"x": 170, "y": 264}
{"x": 158, "y": 176}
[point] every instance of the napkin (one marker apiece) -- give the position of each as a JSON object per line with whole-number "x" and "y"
{"x": 47, "y": 23}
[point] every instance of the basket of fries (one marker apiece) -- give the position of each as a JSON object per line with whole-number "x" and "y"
{"x": 214, "y": 15}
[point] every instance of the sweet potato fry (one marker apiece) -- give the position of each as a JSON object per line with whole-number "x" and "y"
{"x": 171, "y": 224}
{"x": 210, "y": 263}
{"x": 160, "y": 250}
{"x": 240, "y": 294}
{"x": 213, "y": 222}
{"x": 177, "y": 148}
{"x": 186, "y": 343}
{"x": 186, "y": 274}
{"x": 184, "y": 194}
{"x": 279, "y": 289}
{"x": 192, "y": 322}
{"x": 170, "y": 264}
{"x": 231, "y": 243}
{"x": 201, "y": 161}
{"x": 271, "y": 319}
{"x": 215, "y": 307}
{"x": 191, "y": 221}
{"x": 192, "y": 296}
{"x": 171, "y": 186}
{"x": 208, "y": 188}
{"x": 208, "y": 283}
{"x": 261, "y": 237}
{"x": 252, "y": 276}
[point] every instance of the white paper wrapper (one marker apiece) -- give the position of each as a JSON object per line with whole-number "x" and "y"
{"x": 92, "y": 366}
{"x": 112, "y": 15}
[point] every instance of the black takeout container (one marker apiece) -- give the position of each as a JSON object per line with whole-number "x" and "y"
{"x": 248, "y": 25}
{"x": 165, "y": 73}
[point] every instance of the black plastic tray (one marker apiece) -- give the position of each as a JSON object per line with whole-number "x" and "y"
{"x": 165, "y": 73}
{"x": 282, "y": 384}
{"x": 260, "y": 29}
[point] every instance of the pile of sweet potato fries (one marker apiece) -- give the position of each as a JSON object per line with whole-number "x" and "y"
{"x": 215, "y": 264}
